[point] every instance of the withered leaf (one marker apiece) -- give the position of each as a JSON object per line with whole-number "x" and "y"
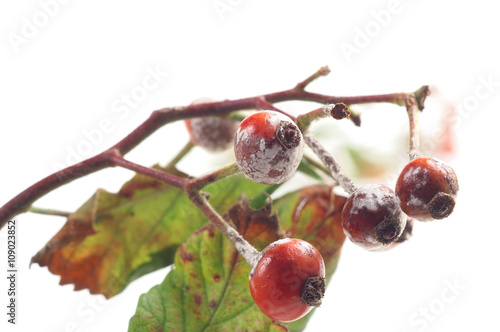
{"x": 113, "y": 239}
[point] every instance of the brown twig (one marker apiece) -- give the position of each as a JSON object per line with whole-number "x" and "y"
{"x": 172, "y": 180}
{"x": 159, "y": 118}
{"x": 23, "y": 201}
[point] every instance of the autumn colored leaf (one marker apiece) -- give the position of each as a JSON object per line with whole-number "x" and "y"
{"x": 207, "y": 290}
{"x": 115, "y": 238}
{"x": 208, "y": 287}
{"x": 314, "y": 214}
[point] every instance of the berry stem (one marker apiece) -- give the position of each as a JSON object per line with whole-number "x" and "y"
{"x": 414, "y": 103}
{"x": 330, "y": 163}
{"x": 243, "y": 246}
{"x": 185, "y": 150}
{"x": 412, "y": 110}
{"x": 50, "y": 212}
{"x": 193, "y": 186}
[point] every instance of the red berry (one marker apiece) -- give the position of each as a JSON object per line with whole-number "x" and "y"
{"x": 212, "y": 133}
{"x": 268, "y": 147}
{"x": 427, "y": 189}
{"x": 288, "y": 280}
{"x": 372, "y": 218}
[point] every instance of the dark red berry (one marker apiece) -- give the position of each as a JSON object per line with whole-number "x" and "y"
{"x": 212, "y": 133}
{"x": 288, "y": 280}
{"x": 372, "y": 218}
{"x": 426, "y": 189}
{"x": 268, "y": 147}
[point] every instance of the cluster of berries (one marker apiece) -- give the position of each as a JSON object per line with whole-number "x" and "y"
{"x": 268, "y": 147}
{"x": 374, "y": 216}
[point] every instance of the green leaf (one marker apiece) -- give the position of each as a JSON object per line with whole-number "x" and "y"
{"x": 306, "y": 168}
{"x": 114, "y": 239}
{"x": 207, "y": 290}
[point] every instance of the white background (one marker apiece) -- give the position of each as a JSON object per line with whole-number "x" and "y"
{"x": 67, "y": 75}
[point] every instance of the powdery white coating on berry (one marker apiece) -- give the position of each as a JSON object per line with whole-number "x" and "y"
{"x": 213, "y": 133}
{"x": 372, "y": 239}
{"x": 269, "y": 163}
{"x": 373, "y": 198}
{"x": 418, "y": 173}
{"x": 370, "y": 207}
{"x": 262, "y": 144}
{"x": 419, "y": 183}
{"x": 415, "y": 201}
{"x": 260, "y": 165}
{"x": 419, "y": 176}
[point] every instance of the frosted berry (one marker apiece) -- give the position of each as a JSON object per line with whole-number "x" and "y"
{"x": 212, "y": 133}
{"x": 372, "y": 218}
{"x": 268, "y": 147}
{"x": 427, "y": 189}
{"x": 288, "y": 280}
